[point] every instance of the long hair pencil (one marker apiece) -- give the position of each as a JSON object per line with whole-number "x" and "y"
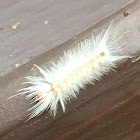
{"x": 82, "y": 65}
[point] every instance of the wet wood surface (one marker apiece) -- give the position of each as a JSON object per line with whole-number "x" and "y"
{"x": 110, "y": 110}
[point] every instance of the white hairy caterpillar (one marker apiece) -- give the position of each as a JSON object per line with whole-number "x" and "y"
{"x": 85, "y": 64}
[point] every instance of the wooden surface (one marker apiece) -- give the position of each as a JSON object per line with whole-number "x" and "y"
{"x": 113, "y": 114}
{"x": 66, "y": 19}
{"x": 109, "y": 110}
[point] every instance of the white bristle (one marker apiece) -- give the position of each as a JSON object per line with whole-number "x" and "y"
{"x": 85, "y": 64}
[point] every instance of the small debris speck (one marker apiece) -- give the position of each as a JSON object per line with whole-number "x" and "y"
{"x": 17, "y": 65}
{"x": 125, "y": 14}
{"x": 46, "y": 22}
{"x": 16, "y": 25}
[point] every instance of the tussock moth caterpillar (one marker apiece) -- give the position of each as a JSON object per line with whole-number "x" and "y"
{"x": 85, "y": 64}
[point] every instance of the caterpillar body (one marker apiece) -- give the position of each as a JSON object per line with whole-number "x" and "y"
{"x": 85, "y": 64}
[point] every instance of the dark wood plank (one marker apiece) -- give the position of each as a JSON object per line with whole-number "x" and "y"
{"x": 92, "y": 118}
{"x": 102, "y": 100}
{"x": 119, "y": 122}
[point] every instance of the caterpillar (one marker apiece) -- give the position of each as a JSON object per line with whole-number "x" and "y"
{"x": 84, "y": 64}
